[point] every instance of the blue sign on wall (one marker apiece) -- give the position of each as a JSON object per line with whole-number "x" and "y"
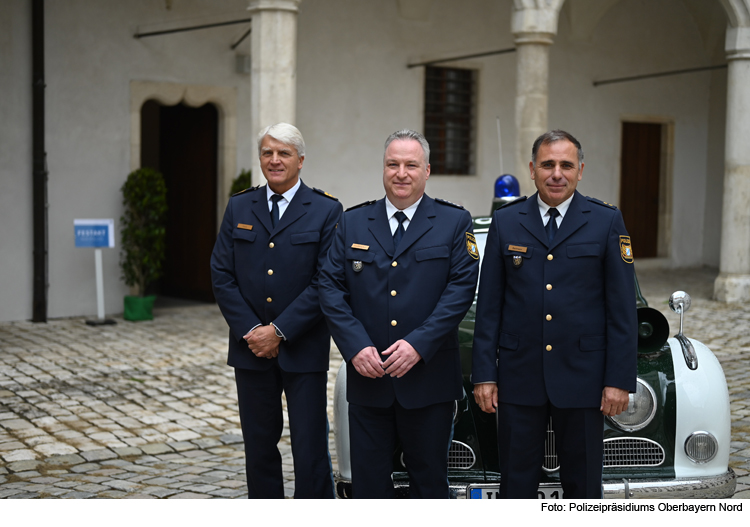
{"x": 94, "y": 233}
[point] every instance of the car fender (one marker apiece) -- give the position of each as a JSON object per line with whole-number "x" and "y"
{"x": 702, "y": 401}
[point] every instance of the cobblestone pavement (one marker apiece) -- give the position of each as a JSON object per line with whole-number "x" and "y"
{"x": 148, "y": 409}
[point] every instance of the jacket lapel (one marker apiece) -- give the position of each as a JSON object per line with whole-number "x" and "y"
{"x": 531, "y": 219}
{"x": 380, "y": 228}
{"x": 296, "y": 208}
{"x": 574, "y": 219}
{"x": 419, "y": 224}
{"x": 260, "y": 208}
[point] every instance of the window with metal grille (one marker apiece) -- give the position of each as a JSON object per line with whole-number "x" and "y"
{"x": 449, "y": 119}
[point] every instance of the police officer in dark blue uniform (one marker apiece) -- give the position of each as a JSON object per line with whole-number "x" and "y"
{"x": 399, "y": 278}
{"x": 265, "y": 269}
{"x": 556, "y": 330}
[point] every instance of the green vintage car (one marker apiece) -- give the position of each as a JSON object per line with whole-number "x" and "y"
{"x": 672, "y": 442}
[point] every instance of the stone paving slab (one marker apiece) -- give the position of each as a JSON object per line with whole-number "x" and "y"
{"x": 148, "y": 409}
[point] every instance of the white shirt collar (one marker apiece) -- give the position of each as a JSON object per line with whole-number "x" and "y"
{"x": 288, "y": 195}
{"x": 390, "y": 208}
{"x": 562, "y": 208}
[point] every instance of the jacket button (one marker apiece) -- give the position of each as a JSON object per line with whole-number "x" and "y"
{"x": 269, "y": 300}
{"x": 270, "y": 245}
{"x": 270, "y": 272}
{"x": 548, "y": 348}
{"x": 394, "y": 264}
{"x": 548, "y": 317}
{"x": 393, "y": 322}
{"x": 549, "y": 287}
{"x": 393, "y": 293}
{"x": 550, "y": 257}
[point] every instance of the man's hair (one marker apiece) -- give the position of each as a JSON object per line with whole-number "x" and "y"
{"x": 409, "y": 134}
{"x": 287, "y": 134}
{"x": 552, "y": 137}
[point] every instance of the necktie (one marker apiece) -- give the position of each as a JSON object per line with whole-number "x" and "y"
{"x": 275, "y": 209}
{"x": 399, "y": 232}
{"x": 552, "y": 224}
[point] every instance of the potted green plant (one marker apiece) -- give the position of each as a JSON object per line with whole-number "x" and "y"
{"x": 143, "y": 230}
{"x": 241, "y": 182}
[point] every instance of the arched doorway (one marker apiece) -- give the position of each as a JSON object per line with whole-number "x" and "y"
{"x": 182, "y": 143}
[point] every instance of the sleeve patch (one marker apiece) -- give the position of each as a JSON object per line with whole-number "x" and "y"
{"x": 626, "y": 250}
{"x": 471, "y": 246}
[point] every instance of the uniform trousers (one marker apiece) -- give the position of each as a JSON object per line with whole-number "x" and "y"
{"x": 578, "y": 438}
{"x": 261, "y": 417}
{"x": 424, "y": 434}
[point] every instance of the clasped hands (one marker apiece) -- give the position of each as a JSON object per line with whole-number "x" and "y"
{"x": 614, "y": 400}
{"x": 401, "y": 358}
{"x": 263, "y": 342}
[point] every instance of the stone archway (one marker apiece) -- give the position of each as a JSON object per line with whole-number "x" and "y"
{"x": 170, "y": 94}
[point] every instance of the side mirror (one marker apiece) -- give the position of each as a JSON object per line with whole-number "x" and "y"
{"x": 679, "y": 302}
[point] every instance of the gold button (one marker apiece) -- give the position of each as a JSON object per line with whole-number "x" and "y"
{"x": 393, "y": 293}
{"x": 549, "y": 348}
{"x": 549, "y": 317}
{"x": 393, "y": 322}
{"x": 271, "y": 245}
{"x": 394, "y": 264}
{"x": 270, "y": 272}
{"x": 269, "y": 300}
{"x": 550, "y": 257}
{"x": 549, "y": 287}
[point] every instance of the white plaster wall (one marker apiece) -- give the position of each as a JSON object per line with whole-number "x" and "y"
{"x": 91, "y": 59}
{"x": 634, "y": 38}
{"x": 16, "y": 237}
{"x": 354, "y": 89}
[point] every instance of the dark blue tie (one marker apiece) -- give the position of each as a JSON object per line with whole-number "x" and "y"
{"x": 399, "y": 232}
{"x": 552, "y": 225}
{"x": 275, "y": 209}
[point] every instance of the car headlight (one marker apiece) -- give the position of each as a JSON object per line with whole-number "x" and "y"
{"x": 641, "y": 409}
{"x": 701, "y": 447}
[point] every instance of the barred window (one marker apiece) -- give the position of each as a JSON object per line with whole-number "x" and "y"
{"x": 449, "y": 119}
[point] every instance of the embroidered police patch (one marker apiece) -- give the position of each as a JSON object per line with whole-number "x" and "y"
{"x": 626, "y": 251}
{"x": 471, "y": 246}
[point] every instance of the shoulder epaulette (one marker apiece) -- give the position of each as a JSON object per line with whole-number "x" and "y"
{"x": 450, "y": 203}
{"x": 360, "y": 205}
{"x": 520, "y": 199}
{"x": 246, "y": 190}
{"x": 326, "y": 194}
{"x": 600, "y": 202}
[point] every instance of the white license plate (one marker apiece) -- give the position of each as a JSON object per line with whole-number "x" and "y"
{"x": 492, "y": 492}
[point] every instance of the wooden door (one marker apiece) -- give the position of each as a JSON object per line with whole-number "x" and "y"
{"x": 188, "y": 139}
{"x": 640, "y": 170}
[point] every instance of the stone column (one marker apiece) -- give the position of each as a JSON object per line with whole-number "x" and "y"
{"x": 274, "y": 66}
{"x": 534, "y": 26}
{"x": 733, "y": 283}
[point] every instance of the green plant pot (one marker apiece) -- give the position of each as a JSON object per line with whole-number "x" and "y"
{"x": 139, "y": 307}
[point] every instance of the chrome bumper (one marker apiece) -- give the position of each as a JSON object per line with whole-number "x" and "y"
{"x": 721, "y": 486}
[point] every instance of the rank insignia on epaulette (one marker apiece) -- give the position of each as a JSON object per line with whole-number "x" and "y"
{"x": 446, "y": 202}
{"x": 364, "y": 204}
{"x": 626, "y": 250}
{"x": 246, "y": 190}
{"x": 471, "y": 246}
{"x": 326, "y": 194}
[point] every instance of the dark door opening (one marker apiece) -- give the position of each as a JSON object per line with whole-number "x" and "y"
{"x": 640, "y": 171}
{"x": 182, "y": 143}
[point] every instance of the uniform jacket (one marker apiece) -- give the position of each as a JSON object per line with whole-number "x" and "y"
{"x": 262, "y": 275}
{"x": 419, "y": 293}
{"x": 576, "y": 297}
